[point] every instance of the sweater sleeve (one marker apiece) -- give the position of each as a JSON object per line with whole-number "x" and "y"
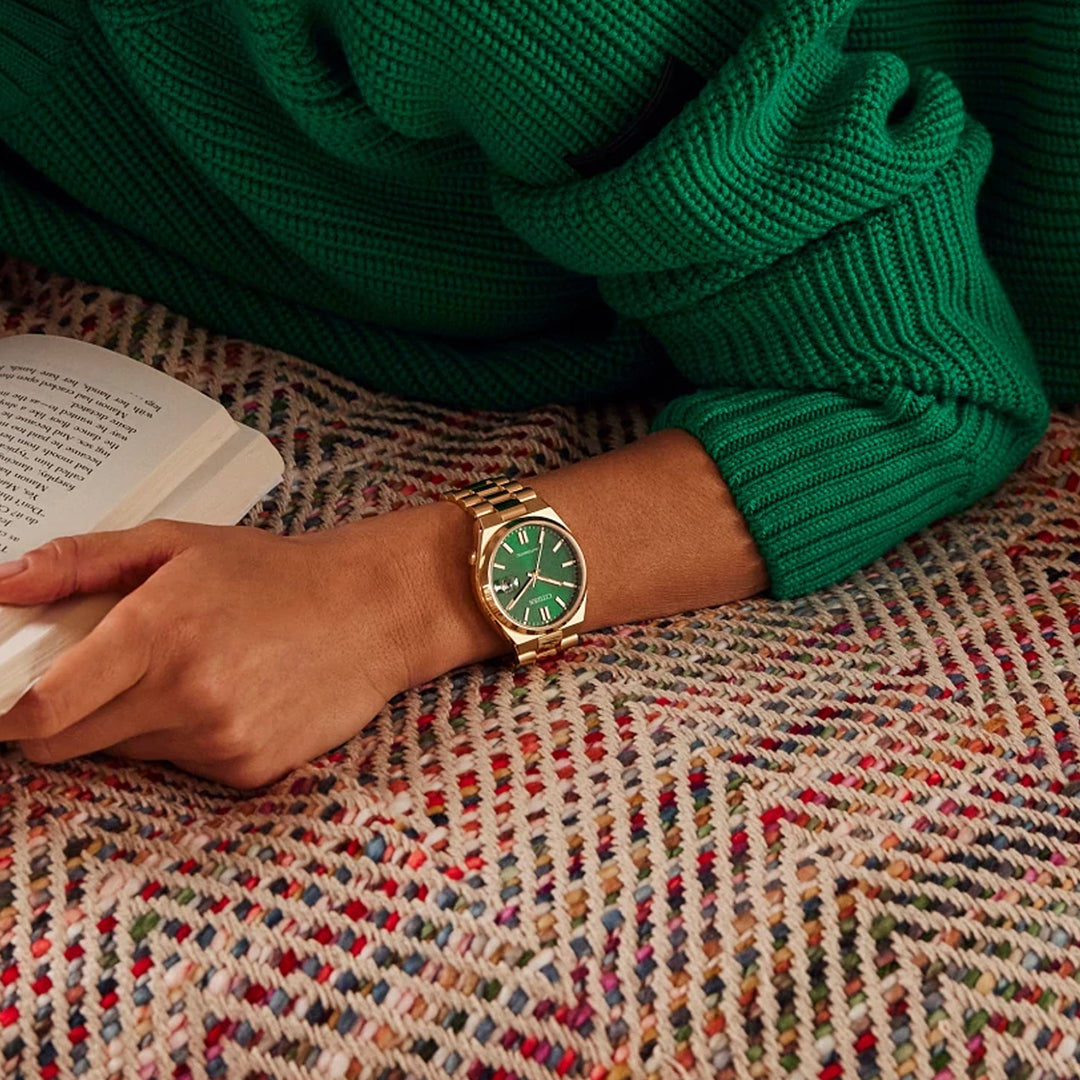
{"x": 802, "y": 241}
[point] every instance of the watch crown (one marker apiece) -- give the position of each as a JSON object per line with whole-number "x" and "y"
{"x": 472, "y": 558}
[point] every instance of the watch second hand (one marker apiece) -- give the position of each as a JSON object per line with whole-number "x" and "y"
{"x": 521, "y": 593}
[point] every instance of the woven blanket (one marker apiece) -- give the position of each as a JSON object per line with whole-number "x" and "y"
{"x": 830, "y": 837}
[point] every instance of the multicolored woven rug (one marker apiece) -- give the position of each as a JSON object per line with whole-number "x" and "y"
{"x": 831, "y": 837}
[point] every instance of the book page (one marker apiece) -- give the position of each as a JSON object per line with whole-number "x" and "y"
{"x": 80, "y": 429}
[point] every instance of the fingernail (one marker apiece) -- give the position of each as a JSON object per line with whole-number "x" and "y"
{"x": 10, "y": 569}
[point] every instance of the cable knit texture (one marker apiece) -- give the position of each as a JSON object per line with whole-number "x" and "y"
{"x": 848, "y": 262}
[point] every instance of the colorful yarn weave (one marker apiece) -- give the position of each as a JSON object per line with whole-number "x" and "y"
{"x": 836, "y": 836}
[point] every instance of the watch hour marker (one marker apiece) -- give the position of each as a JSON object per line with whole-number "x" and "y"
{"x": 545, "y": 613}
{"x": 560, "y": 601}
{"x": 569, "y": 562}
{"x": 498, "y": 566}
{"x": 506, "y": 544}
{"x": 557, "y": 546}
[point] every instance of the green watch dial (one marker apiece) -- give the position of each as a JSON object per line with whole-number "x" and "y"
{"x": 535, "y": 574}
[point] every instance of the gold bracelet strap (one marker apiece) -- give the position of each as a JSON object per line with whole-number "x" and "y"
{"x": 497, "y": 497}
{"x": 545, "y": 646}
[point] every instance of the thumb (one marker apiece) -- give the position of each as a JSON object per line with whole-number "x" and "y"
{"x": 92, "y": 562}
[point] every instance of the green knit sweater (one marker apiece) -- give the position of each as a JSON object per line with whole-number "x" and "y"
{"x": 842, "y": 239}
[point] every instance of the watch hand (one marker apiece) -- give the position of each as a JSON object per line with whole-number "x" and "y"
{"x": 552, "y": 581}
{"x": 521, "y": 593}
{"x": 539, "y": 554}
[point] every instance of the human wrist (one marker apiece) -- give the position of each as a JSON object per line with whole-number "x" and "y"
{"x": 657, "y": 525}
{"x": 444, "y": 627}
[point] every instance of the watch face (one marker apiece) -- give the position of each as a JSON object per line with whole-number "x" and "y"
{"x": 535, "y": 575}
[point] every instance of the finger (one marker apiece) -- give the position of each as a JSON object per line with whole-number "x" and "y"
{"x": 84, "y": 678}
{"x": 94, "y": 562}
{"x": 122, "y": 719}
{"x": 169, "y": 747}
{"x": 175, "y": 746}
{"x": 239, "y": 773}
{"x": 167, "y": 743}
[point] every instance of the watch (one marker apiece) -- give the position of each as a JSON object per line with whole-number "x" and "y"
{"x": 528, "y": 571}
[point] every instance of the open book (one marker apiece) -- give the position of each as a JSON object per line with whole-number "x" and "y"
{"x": 90, "y": 440}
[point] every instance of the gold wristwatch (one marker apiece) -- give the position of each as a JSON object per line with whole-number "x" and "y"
{"x": 528, "y": 570}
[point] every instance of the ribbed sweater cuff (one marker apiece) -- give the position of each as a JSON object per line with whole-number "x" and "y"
{"x": 825, "y": 483}
{"x": 894, "y": 386}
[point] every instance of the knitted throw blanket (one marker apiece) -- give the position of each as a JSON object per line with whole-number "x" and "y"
{"x": 829, "y": 837}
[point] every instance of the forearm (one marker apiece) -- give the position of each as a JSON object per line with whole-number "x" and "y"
{"x": 658, "y": 528}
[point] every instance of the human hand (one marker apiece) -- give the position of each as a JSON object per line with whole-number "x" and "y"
{"x": 235, "y": 653}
